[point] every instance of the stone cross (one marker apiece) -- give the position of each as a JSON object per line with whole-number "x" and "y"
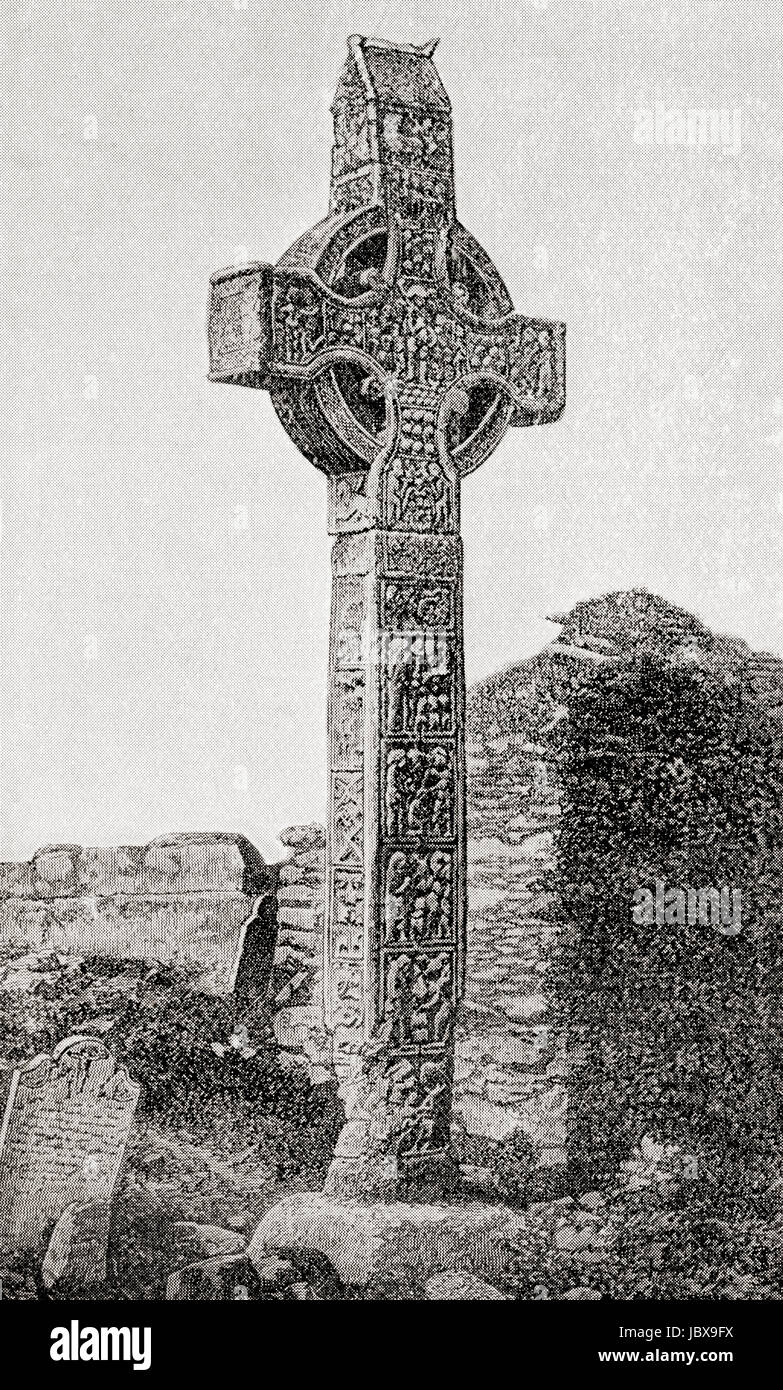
{"x": 389, "y": 345}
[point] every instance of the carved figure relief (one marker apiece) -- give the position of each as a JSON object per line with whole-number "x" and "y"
{"x": 418, "y": 495}
{"x": 299, "y": 331}
{"x": 347, "y": 500}
{"x": 348, "y": 915}
{"x": 415, "y": 137}
{"x": 349, "y": 607}
{"x": 533, "y": 368}
{"x": 354, "y": 193}
{"x": 418, "y": 898}
{"x": 418, "y": 194}
{"x": 427, "y": 556}
{"x": 347, "y": 706}
{"x": 420, "y": 1095}
{"x": 417, "y": 253}
{"x": 419, "y": 792}
{"x": 419, "y": 998}
{"x": 418, "y": 685}
{"x": 348, "y": 1013}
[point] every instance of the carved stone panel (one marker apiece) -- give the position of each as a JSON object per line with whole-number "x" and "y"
{"x": 419, "y": 998}
{"x": 240, "y": 325}
{"x": 418, "y": 684}
{"x": 430, "y": 556}
{"x": 418, "y": 791}
{"x": 347, "y": 819}
{"x": 418, "y": 898}
{"x": 419, "y": 495}
{"x": 348, "y": 1007}
{"x": 347, "y": 935}
{"x": 351, "y": 555}
{"x": 420, "y": 1094}
{"x": 347, "y": 728}
{"x": 414, "y": 604}
{"x": 348, "y": 615}
{"x": 417, "y": 138}
{"x": 347, "y": 501}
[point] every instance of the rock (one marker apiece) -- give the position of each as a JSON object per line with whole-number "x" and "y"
{"x": 582, "y": 1293}
{"x": 273, "y": 1270}
{"x": 363, "y": 1240}
{"x": 280, "y": 1275}
{"x": 206, "y": 1242}
{"x": 54, "y": 868}
{"x": 19, "y": 981}
{"x": 226, "y": 1278}
{"x": 75, "y": 1260}
{"x": 569, "y": 1238}
{"x": 143, "y": 1248}
{"x": 456, "y": 1284}
{"x": 298, "y": 837}
{"x": 524, "y": 1009}
{"x": 480, "y": 1116}
{"x": 591, "y": 1200}
{"x": 479, "y": 1179}
{"x": 240, "y": 1221}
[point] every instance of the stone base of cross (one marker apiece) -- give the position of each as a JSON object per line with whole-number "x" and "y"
{"x": 389, "y": 345}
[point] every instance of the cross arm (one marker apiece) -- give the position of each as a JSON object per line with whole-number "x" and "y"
{"x": 268, "y": 324}
{"x": 524, "y": 358}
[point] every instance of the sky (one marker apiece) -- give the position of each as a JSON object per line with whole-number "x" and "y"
{"x": 165, "y": 561}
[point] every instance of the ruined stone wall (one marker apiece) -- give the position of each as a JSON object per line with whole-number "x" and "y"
{"x": 210, "y": 901}
{"x": 205, "y": 900}
{"x": 506, "y": 1074}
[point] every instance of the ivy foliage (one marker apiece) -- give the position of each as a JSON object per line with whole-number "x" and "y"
{"x": 670, "y": 775}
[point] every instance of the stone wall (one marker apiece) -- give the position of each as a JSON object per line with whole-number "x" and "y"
{"x": 507, "y": 1076}
{"x": 211, "y": 901}
{"x": 206, "y": 900}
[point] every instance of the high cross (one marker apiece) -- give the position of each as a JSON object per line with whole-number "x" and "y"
{"x": 389, "y": 345}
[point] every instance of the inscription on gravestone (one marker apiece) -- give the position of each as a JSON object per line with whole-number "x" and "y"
{"x": 63, "y": 1136}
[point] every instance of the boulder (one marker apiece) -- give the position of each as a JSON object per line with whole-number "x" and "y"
{"x": 278, "y": 1275}
{"x": 364, "y": 1240}
{"x": 300, "y": 837}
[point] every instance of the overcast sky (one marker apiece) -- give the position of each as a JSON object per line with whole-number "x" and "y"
{"x": 165, "y": 584}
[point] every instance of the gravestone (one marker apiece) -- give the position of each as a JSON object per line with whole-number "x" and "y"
{"x": 394, "y": 359}
{"x": 62, "y": 1141}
